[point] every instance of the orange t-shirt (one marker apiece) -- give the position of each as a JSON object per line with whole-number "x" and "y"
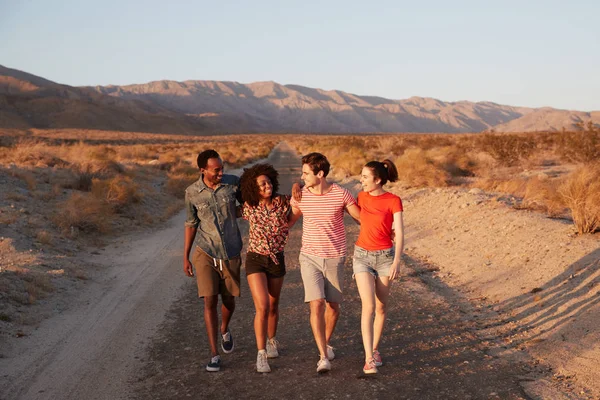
{"x": 376, "y": 219}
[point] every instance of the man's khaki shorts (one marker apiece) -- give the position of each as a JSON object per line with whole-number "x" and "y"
{"x": 215, "y": 276}
{"x": 323, "y": 278}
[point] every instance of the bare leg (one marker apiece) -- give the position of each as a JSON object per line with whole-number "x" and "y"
{"x": 211, "y": 320}
{"x": 260, "y": 296}
{"x": 332, "y": 314}
{"x": 366, "y": 289}
{"x": 275, "y": 285}
{"x": 382, "y": 291}
{"x": 227, "y": 310}
{"x": 317, "y": 323}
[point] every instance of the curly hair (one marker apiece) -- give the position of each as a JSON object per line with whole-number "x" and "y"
{"x": 249, "y": 187}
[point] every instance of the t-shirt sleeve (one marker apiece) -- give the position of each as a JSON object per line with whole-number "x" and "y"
{"x": 348, "y": 199}
{"x": 397, "y": 205}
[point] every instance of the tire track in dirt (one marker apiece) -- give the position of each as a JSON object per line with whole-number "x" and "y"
{"x": 430, "y": 351}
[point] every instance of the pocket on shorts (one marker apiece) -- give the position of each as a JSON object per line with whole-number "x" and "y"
{"x": 359, "y": 252}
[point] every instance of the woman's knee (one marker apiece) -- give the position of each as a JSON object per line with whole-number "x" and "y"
{"x": 380, "y": 309}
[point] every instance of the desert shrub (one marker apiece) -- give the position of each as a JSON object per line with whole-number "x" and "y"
{"x": 348, "y": 162}
{"x": 581, "y": 194}
{"x": 26, "y": 176}
{"x": 541, "y": 193}
{"x": 417, "y": 168}
{"x": 178, "y": 182}
{"x": 118, "y": 192}
{"x": 581, "y": 146}
{"x": 44, "y": 237}
{"x": 83, "y": 212}
{"x": 507, "y": 149}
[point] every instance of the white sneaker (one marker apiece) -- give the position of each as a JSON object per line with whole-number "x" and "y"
{"x": 272, "y": 351}
{"x": 323, "y": 365}
{"x": 262, "y": 365}
{"x": 330, "y": 353}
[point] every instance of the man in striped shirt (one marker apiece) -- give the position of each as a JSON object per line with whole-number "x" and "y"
{"x": 323, "y": 251}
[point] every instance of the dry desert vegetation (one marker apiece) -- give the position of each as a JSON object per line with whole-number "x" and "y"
{"x": 509, "y": 222}
{"x": 557, "y": 173}
{"x": 64, "y": 190}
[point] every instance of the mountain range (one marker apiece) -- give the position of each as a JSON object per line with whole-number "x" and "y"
{"x": 29, "y": 101}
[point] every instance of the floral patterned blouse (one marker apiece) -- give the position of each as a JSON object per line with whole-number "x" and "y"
{"x": 268, "y": 228}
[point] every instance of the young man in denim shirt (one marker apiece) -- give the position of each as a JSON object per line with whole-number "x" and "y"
{"x": 211, "y": 222}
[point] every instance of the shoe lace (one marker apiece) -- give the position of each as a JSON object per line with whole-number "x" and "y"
{"x": 274, "y": 342}
{"x": 262, "y": 359}
{"x": 227, "y": 336}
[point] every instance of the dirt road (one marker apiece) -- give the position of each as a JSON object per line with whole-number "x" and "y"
{"x": 137, "y": 332}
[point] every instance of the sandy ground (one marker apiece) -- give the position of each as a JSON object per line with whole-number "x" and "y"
{"x": 493, "y": 303}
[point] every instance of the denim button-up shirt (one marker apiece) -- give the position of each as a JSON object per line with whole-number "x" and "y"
{"x": 213, "y": 214}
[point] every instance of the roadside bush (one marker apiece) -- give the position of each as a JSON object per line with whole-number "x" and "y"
{"x": 507, "y": 149}
{"x": 83, "y": 212}
{"x": 118, "y": 192}
{"x": 416, "y": 168}
{"x": 581, "y": 194}
{"x": 579, "y": 146}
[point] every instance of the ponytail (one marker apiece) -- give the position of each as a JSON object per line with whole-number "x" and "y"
{"x": 385, "y": 171}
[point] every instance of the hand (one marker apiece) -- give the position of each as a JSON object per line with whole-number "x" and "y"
{"x": 297, "y": 191}
{"x": 394, "y": 271}
{"x": 188, "y": 268}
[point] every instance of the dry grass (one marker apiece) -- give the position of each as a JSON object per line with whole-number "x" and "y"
{"x": 581, "y": 193}
{"x": 522, "y": 165}
{"x": 126, "y": 178}
{"x": 44, "y": 237}
{"x": 83, "y": 212}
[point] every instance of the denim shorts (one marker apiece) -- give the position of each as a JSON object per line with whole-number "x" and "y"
{"x": 375, "y": 262}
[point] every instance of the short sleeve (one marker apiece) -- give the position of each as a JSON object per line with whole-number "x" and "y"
{"x": 245, "y": 211}
{"x": 348, "y": 199}
{"x": 397, "y": 205}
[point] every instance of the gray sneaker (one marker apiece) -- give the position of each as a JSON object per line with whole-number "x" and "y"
{"x": 272, "y": 351}
{"x": 262, "y": 364}
{"x": 323, "y": 365}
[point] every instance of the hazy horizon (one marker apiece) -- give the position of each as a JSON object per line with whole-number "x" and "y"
{"x": 538, "y": 54}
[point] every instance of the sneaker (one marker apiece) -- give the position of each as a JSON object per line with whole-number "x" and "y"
{"x": 330, "y": 353}
{"x": 323, "y": 365}
{"x": 272, "y": 351}
{"x": 214, "y": 365}
{"x": 370, "y": 367}
{"x": 227, "y": 342}
{"x": 262, "y": 365}
{"x": 377, "y": 358}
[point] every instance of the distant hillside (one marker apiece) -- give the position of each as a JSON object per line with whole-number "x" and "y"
{"x": 269, "y": 106}
{"x": 231, "y": 107}
{"x": 549, "y": 119}
{"x": 28, "y": 101}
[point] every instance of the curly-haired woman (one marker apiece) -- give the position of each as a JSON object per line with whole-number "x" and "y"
{"x": 268, "y": 214}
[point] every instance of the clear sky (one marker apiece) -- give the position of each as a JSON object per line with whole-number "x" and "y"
{"x": 523, "y": 53}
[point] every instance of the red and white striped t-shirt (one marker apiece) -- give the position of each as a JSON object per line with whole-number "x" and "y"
{"x": 323, "y": 233}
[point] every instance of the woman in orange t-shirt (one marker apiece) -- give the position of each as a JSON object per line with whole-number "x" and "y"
{"x": 376, "y": 262}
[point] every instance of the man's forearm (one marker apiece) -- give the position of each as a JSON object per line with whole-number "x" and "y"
{"x": 190, "y": 235}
